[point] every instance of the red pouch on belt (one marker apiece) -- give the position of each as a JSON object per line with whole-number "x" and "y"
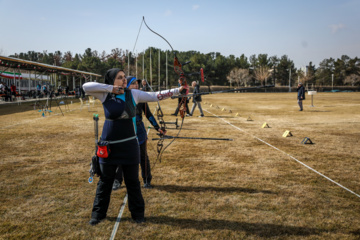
{"x": 103, "y": 150}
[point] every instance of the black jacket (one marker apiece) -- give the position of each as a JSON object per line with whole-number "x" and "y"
{"x": 301, "y": 93}
{"x": 196, "y": 98}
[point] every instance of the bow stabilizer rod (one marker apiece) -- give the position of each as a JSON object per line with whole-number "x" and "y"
{"x": 199, "y": 138}
{"x": 224, "y": 91}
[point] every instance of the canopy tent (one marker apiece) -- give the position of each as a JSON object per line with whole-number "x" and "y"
{"x": 26, "y": 73}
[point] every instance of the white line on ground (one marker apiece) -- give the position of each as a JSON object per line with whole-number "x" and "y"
{"x": 286, "y": 154}
{"x": 119, "y": 218}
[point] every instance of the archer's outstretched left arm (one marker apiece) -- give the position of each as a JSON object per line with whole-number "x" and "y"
{"x": 142, "y": 97}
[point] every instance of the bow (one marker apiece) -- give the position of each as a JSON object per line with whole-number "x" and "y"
{"x": 182, "y": 105}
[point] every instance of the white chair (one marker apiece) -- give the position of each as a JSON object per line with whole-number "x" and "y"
{"x": 92, "y": 100}
{"x": 84, "y": 104}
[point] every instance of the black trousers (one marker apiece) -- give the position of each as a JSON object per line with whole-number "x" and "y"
{"x": 144, "y": 163}
{"x": 187, "y": 107}
{"x": 104, "y": 188}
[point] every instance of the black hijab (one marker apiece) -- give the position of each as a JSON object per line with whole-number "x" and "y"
{"x": 111, "y": 75}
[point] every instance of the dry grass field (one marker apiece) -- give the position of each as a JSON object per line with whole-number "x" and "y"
{"x": 249, "y": 188}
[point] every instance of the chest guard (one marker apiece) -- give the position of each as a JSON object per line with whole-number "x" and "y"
{"x": 130, "y": 108}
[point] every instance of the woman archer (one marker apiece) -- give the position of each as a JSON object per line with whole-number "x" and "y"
{"x": 119, "y": 131}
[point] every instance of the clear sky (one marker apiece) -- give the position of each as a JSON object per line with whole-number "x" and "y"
{"x": 307, "y": 30}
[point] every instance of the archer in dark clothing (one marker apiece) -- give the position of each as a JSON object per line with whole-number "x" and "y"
{"x": 144, "y": 86}
{"x": 82, "y": 92}
{"x": 179, "y": 101}
{"x": 300, "y": 95}
{"x": 142, "y": 138}
{"x": 119, "y": 130}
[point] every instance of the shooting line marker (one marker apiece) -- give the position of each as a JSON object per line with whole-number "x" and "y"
{"x": 307, "y": 141}
{"x": 287, "y": 133}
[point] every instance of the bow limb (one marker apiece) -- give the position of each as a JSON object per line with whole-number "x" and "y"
{"x": 178, "y": 69}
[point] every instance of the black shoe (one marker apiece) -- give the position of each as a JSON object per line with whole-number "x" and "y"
{"x": 148, "y": 185}
{"x": 140, "y": 220}
{"x": 95, "y": 221}
{"x": 174, "y": 114}
{"x": 188, "y": 115}
{"x": 116, "y": 185}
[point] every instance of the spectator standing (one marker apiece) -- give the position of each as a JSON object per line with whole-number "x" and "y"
{"x": 196, "y": 99}
{"x": 300, "y": 95}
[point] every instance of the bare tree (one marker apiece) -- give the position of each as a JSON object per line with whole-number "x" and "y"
{"x": 352, "y": 79}
{"x": 262, "y": 73}
{"x": 239, "y": 76}
{"x": 57, "y": 58}
{"x": 116, "y": 53}
{"x": 96, "y": 54}
{"x": 103, "y": 56}
{"x": 305, "y": 78}
{"x": 67, "y": 56}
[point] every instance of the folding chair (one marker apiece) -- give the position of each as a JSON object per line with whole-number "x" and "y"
{"x": 84, "y": 104}
{"x": 92, "y": 100}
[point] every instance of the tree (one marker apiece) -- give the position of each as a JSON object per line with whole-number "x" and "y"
{"x": 243, "y": 62}
{"x": 67, "y": 57}
{"x": 253, "y": 61}
{"x": 309, "y": 76}
{"x": 263, "y": 60}
{"x": 239, "y": 76}
{"x": 58, "y": 58}
{"x": 352, "y": 79}
{"x": 262, "y": 73}
{"x": 221, "y": 69}
{"x": 283, "y": 74}
{"x": 324, "y": 71}
{"x": 90, "y": 63}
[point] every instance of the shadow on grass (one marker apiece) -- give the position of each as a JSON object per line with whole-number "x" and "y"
{"x": 356, "y": 232}
{"x": 28, "y": 105}
{"x": 258, "y": 229}
{"x": 206, "y": 116}
{"x": 192, "y": 129}
{"x": 317, "y": 111}
{"x": 219, "y": 116}
{"x": 175, "y": 188}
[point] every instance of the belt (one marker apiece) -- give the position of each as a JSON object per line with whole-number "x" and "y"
{"x": 122, "y": 140}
